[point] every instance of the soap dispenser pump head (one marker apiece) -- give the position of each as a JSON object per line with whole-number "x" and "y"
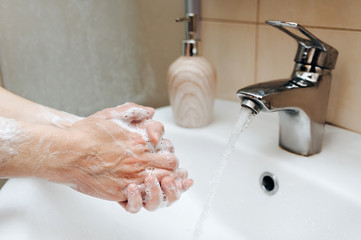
{"x": 190, "y": 44}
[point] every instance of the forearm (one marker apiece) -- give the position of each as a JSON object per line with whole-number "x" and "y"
{"x": 21, "y": 109}
{"x": 27, "y": 148}
{"x": 117, "y": 154}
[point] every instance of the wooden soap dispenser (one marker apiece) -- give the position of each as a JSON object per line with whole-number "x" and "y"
{"x": 191, "y": 82}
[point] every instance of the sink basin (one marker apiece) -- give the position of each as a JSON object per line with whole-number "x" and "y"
{"x": 318, "y": 197}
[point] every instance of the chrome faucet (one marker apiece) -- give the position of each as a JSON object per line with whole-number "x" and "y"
{"x": 301, "y": 100}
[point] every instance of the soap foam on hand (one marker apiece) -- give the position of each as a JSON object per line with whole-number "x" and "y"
{"x": 129, "y": 120}
{"x": 60, "y": 119}
{"x": 10, "y": 137}
{"x": 132, "y": 114}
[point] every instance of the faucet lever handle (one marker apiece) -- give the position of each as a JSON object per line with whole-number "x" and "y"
{"x": 311, "y": 51}
{"x": 312, "y": 40}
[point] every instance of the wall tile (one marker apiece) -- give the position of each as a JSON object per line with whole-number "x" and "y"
{"x": 345, "y": 97}
{"x": 239, "y": 10}
{"x": 163, "y": 40}
{"x": 276, "y": 52}
{"x": 325, "y": 13}
{"x": 231, "y": 48}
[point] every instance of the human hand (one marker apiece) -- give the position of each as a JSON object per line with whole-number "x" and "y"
{"x": 32, "y": 146}
{"x": 121, "y": 156}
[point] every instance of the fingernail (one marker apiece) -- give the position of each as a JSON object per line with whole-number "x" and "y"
{"x": 187, "y": 183}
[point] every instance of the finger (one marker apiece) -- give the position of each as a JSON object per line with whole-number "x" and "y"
{"x": 129, "y": 105}
{"x": 181, "y": 173}
{"x": 158, "y": 173}
{"x": 132, "y": 113}
{"x": 154, "y": 196}
{"x": 129, "y": 112}
{"x": 135, "y": 201}
{"x": 186, "y": 184}
{"x": 170, "y": 190}
{"x": 165, "y": 146}
{"x": 164, "y": 161}
{"x": 178, "y": 174}
{"x": 155, "y": 131}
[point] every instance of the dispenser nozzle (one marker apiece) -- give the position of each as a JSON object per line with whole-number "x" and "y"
{"x": 191, "y": 26}
{"x": 190, "y": 46}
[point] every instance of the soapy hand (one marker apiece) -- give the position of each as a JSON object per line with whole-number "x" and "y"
{"x": 116, "y": 154}
{"x": 121, "y": 156}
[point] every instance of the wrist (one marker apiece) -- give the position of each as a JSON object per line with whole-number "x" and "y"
{"x": 59, "y": 151}
{"x": 30, "y": 150}
{"x": 17, "y": 154}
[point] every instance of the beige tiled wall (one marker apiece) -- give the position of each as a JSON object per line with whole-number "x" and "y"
{"x": 244, "y": 50}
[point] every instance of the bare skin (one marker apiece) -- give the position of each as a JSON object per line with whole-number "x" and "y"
{"x": 116, "y": 154}
{"x": 15, "y": 107}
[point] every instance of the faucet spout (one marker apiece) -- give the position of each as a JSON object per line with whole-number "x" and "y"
{"x": 302, "y": 99}
{"x": 295, "y": 94}
{"x": 302, "y": 107}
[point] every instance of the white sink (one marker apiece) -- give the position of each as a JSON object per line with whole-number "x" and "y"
{"x": 319, "y": 197}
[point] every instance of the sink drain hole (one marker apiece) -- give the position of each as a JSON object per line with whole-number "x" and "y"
{"x": 269, "y": 183}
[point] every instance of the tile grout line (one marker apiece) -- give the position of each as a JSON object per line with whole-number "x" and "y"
{"x": 220, "y": 20}
{"x": 255, "y": 69}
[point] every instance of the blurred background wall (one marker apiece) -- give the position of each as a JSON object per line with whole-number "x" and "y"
{"x": 81, "y": 56}
{"x": 84, "y": 55}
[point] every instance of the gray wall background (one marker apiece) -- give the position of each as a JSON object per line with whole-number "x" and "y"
{"x": 81, "y": 56}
